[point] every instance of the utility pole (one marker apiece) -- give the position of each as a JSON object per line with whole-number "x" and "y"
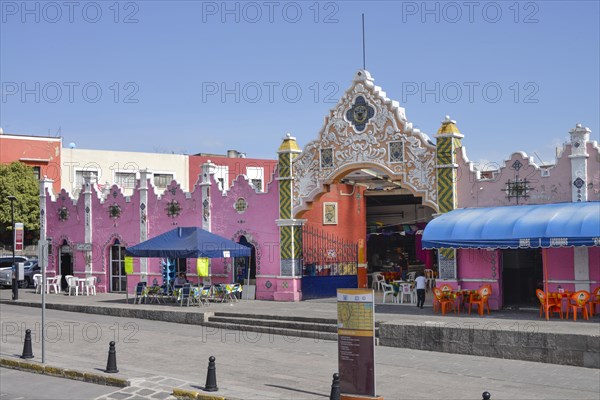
{"x": 15, "y": 282}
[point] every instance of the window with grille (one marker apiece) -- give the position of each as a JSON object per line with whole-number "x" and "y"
{"x": 255, "y": 176}
{"x": 162, "y": 180}
{"x": 396, "y": 151}
{"x": 37, "y": 172}
{"x": 326, "y": 158}
{"x": 257, "y": 184}
{"x": 125, "y": 179}
{"x": 80, "y": 177}
{"x": 222, "y": 176}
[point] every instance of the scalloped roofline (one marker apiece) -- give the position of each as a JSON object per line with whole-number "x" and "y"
{"x": 524, "y": 155}
{"x": 225, "y": 192}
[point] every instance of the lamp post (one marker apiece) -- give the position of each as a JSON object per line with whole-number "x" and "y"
{"x": 15, "y": 286}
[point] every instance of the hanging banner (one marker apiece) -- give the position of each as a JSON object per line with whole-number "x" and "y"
{"x": 356, "y": 341}
{"x": 202, "y": 266}
{"x": 128, "y": 265}
{"x": 19, "y": 233}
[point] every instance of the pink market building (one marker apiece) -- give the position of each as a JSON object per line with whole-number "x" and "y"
{"x": 368, "y": 164}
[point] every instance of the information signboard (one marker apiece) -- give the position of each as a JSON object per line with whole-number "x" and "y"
{"x": 19, "y": 233}
{"x": 356, "y": 341}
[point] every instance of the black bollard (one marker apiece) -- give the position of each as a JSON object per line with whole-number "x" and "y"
{"x": 211, "y": 376}
{"x": 486, "y": 396}
{"x": 335, "y": 387}
{"x": 111, "y": 365}
{"x": 27, "y": 351}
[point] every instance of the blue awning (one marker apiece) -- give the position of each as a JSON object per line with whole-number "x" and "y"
{"x": 530, "y": 226}
{"x": 188, "y": 242}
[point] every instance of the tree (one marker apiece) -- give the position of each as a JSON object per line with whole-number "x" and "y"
{"x": 18, "y": 179}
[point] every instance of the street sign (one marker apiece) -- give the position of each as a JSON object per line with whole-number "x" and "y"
{"x": 19, "y": 234}
{"x": 356, "y": 341}
{"x": 83, "y": 246}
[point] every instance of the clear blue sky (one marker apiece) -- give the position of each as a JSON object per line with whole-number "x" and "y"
{"x": 162, "y": 66}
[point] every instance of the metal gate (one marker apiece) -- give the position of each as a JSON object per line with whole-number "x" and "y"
{"x": 329, "y": 263}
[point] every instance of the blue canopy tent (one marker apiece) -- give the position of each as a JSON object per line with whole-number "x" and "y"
{"x": 188, "y": 242}
{"x": 517, "y": 227}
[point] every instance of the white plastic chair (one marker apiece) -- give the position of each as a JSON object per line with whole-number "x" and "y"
{"x": 378, "y": 281}
{"x": 411, "y": 276}
{"x": 53, "y": 283}
{"x": 73, "y": 284}
{"x": 388, "y": 289}
{"x": 37, "y": 282}
{"x": 90, "y": 286}
{"x": 406, "y": 293}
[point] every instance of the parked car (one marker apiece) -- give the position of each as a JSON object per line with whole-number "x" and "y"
{"x": 6, "y": 271}
{"x": 31, "y": 268}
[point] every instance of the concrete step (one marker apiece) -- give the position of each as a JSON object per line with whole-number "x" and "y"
{"x": 292, "y": 326}
{"x": 275, "y": 323}
{"x": 315, "y": 320}
{"x": 312, "y": 334}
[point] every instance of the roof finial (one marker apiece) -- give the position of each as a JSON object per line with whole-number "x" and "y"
{"x": 363, "y": 38}
{"x": 447, "y": 120}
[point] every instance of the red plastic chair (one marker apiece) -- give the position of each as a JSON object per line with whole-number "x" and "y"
{"x": 480, "y": 299}
{"x": 578, "y": 301}
{"x": 594, "y": 301}
{"x": 444, "y": 302}
{"x": 553, "y": 304}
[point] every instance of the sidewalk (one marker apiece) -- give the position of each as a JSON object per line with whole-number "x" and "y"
{"x": 155, "y": 354}
{"x": 115, "y": 304}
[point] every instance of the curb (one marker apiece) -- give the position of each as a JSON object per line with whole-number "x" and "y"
{"x": 192, "y": 394}
{"x": 59, "y": 372}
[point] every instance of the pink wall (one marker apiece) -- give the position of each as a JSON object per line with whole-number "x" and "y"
{"x": 594, "y": 257}
{"x": 476, "y": 268}
{"x": 555, "y": 188}
{"x": 256, "y": 224}
{"x": 69, "y": 230}
{"x": 593, "y": 171}
{"x": 560, "y": 264}
{"x": 125, "y": 229}
{"x": 107, "y": 230}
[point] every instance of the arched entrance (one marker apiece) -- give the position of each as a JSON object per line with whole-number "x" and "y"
{"x": 365, "y": 136}
{"x": 118, "y": 277}
{"x": 65, "y": 263}
{"x": 245, "y": 268}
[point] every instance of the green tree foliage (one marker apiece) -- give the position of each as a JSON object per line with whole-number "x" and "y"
{"x": 18, "y": 179}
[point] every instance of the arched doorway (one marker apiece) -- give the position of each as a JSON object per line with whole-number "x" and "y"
{"x": 245, "y": 267}
{"x": 65, "y": 263}
{"x": 366, "y": 135}
{"x": 118, "y": 278}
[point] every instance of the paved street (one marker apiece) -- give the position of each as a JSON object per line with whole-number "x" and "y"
{"x": 15, "y": 385}
{"x": 259, "y": 366}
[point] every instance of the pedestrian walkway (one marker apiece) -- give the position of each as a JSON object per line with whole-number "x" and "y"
{"x": 154, "y": 355}
{"x": 116, "y": 304}
{"x": 511, "y": 334}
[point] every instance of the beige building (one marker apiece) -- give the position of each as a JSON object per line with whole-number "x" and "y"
{"x": 107, "y": 167}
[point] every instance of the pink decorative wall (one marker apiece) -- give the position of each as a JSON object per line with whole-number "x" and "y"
{"x": 550, "y": 184}
{"x": 257, "y": 224}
